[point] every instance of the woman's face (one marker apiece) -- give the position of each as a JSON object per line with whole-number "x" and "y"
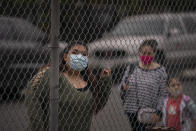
{"x": 146, "y": 51}
{"x": 75, "y": 50}
{"x": 146, "y": 55}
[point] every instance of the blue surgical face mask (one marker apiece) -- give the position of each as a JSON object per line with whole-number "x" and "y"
{"x": 78, "y": 62}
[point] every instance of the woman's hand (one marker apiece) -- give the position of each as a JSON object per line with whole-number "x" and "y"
{"x": 193, "y": 129}
{"x": 125, "y": 87}
{"x": 105, "y": 73}
{"x": 194, "y": 126}
{"x": 155, "y": 118}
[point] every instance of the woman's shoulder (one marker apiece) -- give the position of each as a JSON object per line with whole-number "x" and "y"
{"x": 162, "y": 72}
{"x": 162, "y": 69}
{"x": 159, "y": 67}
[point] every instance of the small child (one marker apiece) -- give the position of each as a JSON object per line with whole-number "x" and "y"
{"x": 179, "y": 110}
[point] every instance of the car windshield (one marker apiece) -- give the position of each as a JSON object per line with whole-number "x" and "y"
{"x": 138, "y": 27}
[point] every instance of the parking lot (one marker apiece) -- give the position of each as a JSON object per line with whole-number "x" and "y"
{"x": 13, "y": 115}
{"x": 113, "y": 31}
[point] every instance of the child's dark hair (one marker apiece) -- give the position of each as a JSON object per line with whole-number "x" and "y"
{"x": 151, "y": 42}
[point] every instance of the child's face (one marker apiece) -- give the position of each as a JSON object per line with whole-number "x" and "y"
{"x": 175, "y": 87}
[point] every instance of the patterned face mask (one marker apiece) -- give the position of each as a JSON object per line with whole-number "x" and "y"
{"x": 147, "y": 59}
{"x": 78, "y": 62}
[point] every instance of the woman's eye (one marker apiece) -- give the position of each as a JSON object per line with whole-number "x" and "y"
{"x": 84, "y": 54}
{"x": 149, "y": 53}
{"x": 75, "y": 52}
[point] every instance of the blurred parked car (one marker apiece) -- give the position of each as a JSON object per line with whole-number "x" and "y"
{"x": 23, "y": 50}
{"x": 175, "y": 33}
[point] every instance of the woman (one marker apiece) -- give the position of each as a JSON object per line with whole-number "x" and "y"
{"x": 81, "y": 94}
{"x": 145, "y": 88}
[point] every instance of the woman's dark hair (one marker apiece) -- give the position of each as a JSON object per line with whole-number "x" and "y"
{"x": 151, "y": 42}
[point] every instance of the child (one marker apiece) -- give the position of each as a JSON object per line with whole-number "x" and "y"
{"x": 179, "y": 110}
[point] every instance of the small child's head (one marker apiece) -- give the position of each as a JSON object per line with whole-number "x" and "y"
{"x": 174, "y": 86}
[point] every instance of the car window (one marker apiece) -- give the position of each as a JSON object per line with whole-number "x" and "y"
{"x": 174, "y": 26}
{"x": 17, "y": 29}
{"x": 190, "y": 24}
{"x": 138, "y": 27}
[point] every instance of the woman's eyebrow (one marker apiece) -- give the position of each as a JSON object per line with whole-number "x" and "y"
{"x": 84, "y": 52}
{"x": 75, "y": 50}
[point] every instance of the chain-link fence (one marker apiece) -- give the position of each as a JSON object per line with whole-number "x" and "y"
{"x": 113, "y": 65}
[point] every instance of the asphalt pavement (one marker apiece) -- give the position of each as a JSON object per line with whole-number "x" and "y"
{"x": 13, "y": 115}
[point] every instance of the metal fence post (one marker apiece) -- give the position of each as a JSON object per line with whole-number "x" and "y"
{"x": 54, "y": 72}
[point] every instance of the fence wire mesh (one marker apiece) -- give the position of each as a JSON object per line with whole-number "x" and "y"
{"x": 124, "y": 65}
